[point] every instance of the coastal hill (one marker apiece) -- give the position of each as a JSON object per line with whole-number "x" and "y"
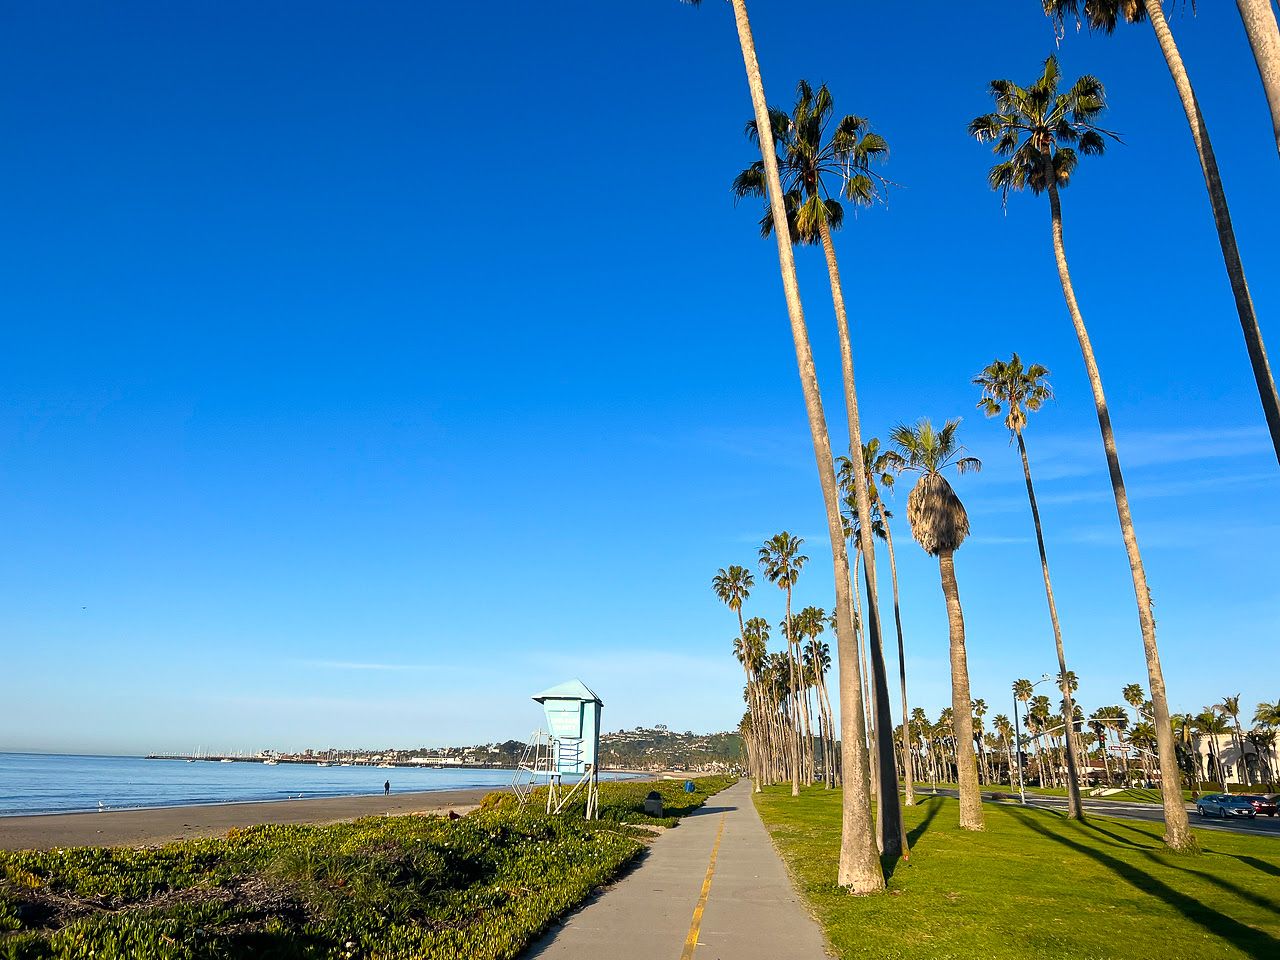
{"x": 642, "y": 748}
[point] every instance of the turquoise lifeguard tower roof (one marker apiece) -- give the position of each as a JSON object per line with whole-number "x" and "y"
{"x": 569, "y": 690}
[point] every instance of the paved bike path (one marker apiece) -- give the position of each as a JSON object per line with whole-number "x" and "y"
{"x": 712, "y": 888}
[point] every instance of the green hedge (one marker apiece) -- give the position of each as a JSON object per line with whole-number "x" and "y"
{"x": 381, "y": 888}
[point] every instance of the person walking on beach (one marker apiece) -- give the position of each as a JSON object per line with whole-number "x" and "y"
{"x": 386, "y": 789}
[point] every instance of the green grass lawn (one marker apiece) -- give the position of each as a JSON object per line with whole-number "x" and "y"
{"x": 1034, "y": 885}
{"x": 1132, "y": 794}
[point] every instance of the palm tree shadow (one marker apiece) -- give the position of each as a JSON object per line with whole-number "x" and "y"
{"x": 1243, "y": 858}
{"x": 1254, "y": 862}
{"x": 889, "y": 863}
{"x": 934, "y": 805}
{"x": 1093, "y": 825}
{"x": 1254, "y": 943}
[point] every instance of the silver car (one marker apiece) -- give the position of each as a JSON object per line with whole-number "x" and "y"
{"x": 1224, "y": 805}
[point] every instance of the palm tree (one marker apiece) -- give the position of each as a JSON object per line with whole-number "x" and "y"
{"x": 1267, "y": 714}
{"x": 859, "y": 870}
{"x": 1004, "y": 730}
{"x": 1135, "y": 697}
{"x": 1115, "y": 718}
{"x": 1264, "y": 741}
{"x": 1015, "y": 390}
{"x": 1142, "y": 737}
{"x": 1035, "y": 129}
{"x": 979, "y": 708}
{"x": 880, "y": 476}
{"x": 1209, "y": 724}
{"x": 1184, "y": 728}
{"x": 1022, "y": 692}
{"x": 810, "y": 622}
{"x": 755, "y": 637}
{"x": 1264, "y": 37}
{"x": 1068, "y": 684}
{"x": 781, "y": 562}
{"x": 1105, "y": 15}
{"x": 733, "y": 587}
{"x": 940, "y": 525}
{"x": 809, "y": 159}
{"x": 1230, "y": 707}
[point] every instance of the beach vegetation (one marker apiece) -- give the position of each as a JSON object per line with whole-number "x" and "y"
{"x": 480, "y": 886}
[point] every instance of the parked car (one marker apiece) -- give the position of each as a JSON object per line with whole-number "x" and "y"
{"x": 1225, "y": 805}
{"x": 1262, "y": 803}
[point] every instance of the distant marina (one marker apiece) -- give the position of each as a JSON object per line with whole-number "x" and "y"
{"x": 381, "y": 763}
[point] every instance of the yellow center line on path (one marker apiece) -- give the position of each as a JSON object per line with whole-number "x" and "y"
{"x": 691, "y": 941}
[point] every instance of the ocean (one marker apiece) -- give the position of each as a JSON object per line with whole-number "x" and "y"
{"x": 46, "y": 783}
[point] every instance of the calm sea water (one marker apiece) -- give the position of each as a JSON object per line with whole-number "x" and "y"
{"x": 42, "y": 783}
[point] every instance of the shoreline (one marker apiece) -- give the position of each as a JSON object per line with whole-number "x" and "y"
{"x": 150, "y": 826}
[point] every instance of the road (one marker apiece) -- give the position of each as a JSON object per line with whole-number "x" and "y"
{"x": 1126, "y": 810}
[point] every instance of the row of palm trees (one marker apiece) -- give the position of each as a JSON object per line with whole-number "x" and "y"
{"x": 788, "y": 728}
{"x": 807, "y": 164}
{"x": 1120, "y": 741}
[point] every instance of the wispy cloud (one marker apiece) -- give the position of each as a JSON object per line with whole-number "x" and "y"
{"x": 1058, "y": 457}
{"x": 1138, "y": 490}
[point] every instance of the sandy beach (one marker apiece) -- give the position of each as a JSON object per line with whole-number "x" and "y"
{"x": 164, "y": 824}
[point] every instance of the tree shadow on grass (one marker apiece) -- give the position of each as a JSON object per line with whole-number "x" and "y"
{"x": 1254, "y": 862}
{"x": 934, "y": 804}
{"x": 1152, "y": 852}
{"x": 1254, "y": 943}
{"x": 1244, "y": 858}
{"x": 1153, "y": 845}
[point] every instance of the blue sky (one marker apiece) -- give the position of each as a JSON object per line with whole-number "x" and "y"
{"x": 368, "y": 369}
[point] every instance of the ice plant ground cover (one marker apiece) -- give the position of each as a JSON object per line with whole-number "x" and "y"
{"x": 382, "y": 887}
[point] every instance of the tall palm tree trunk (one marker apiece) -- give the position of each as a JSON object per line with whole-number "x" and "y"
{"x": 859, "y": 868}
{"x": 828, "y": 742}
{"x": 1264, "y": 36}
{"x": 806, "y": 716}
{"x": 1222, "y": 219}
{"x": 1075, "y": 811}
{"x": 869, "y": 710}
{"x": 909, "y": 794}
{"x": 888, "y": 809}
{"x": 794, "y": 671}
{"x": 892, "y": 828}
{"x": 961, "y": 700}
{"x": 1178, "y": 834}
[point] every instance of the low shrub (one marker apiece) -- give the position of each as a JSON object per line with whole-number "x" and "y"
{"x": 387, "y": 887}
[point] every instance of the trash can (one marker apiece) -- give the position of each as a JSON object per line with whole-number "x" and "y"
{"x": 653, "y": 804}
{"x": 688, "y": 786}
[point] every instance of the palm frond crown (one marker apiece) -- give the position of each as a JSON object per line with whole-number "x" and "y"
{"x": 938, "y": 519}
{"x": 820, "y": 162}
{"x": 1034, "y": 123}
{"x": 1015, "y": 390}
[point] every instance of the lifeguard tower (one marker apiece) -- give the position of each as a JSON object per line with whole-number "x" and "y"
{"x": 570, "y": 745}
